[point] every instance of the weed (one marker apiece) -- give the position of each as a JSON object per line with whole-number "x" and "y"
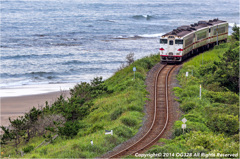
{"x": 44, "y": 151}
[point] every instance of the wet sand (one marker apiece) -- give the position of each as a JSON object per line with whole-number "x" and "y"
{"x": 17, "y": 106}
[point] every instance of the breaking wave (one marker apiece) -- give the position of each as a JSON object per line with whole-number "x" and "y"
{"x": 143, "y": 17}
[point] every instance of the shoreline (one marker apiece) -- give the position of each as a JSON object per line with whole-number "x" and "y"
{"x": 35, "y": 89}
{"x": 18, "y": 105}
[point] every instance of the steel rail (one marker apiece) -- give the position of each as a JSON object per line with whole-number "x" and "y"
{"x": 166, "y": 123}
{"x": 155, "y": 114}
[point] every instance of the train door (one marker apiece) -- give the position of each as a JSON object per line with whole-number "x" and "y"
{"x": 171, "y": 46}
{"x": 209, "y": 36}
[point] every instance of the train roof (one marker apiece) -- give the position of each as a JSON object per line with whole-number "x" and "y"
{"x": 185, "y": 29}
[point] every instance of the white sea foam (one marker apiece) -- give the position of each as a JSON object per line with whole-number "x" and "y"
{"x": 232, "y": 24}
{"x": 145, "y": 16}
{"x": 151, "y": 35}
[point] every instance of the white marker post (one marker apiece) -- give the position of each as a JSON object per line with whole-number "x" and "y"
{"x": 217, "y": 34}
{"x": 200, "y": 91}
{"x": 183, "y": 127}
{"x": 91, "y": 142}
{"x": 134, "y": 70}
{"x": 184, "y": 120}
{"x": 186, "y": 74}
{"x": 107, "y": 132}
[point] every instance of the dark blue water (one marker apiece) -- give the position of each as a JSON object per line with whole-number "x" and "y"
{"x": 68, "y": 41}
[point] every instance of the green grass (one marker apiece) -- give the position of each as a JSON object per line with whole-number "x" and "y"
{"x": 120, "y": 111}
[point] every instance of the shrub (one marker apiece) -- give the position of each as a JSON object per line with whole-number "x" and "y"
{"x": 93, "y": 148}
{"x": 147, "y": 63}
{"x": 28, "y": 149}
{"x": 218, "y": 108}
{"x": 98, "y": 116}
{"x": 139, "y": 75}
{"x": 215, "y": 86}
{"x": 43, "y": 151}
{"x": 177, "y": 91}
{"x": 111, "y": 141}
{"x": 223, "y": 97}
{"x": 123, "y": 131}
{"x": 70, "y": 129}
{"x": 130, "y": 58}
{"x": 117, "y": 113}
{"x": 68, "y": 154}
{"x": 157, "y": 150}
{"x": 194, "y": 117}
{"x": 186, "y": 107}
{"x": 198, "y": 149}
{"x": 191, "y": 91}
{"x": 96, "y": 127}
{"x": 223, "y": 123}
{"x": 129, "y": 121}
{"x": 135, "y": 108}
{"x": 201, "y": 139}
{"x": 235, "y": 34}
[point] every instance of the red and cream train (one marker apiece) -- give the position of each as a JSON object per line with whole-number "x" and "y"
{"x": 185, "y": 41}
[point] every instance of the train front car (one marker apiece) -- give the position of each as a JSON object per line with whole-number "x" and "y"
{"x": 171, "y": 47}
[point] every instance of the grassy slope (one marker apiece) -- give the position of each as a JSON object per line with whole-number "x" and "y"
{"x": 121, "y": 111}
{"x": 211, "y": 119}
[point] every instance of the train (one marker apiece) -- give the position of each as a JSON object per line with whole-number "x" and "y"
{"x": 188, "y": 40}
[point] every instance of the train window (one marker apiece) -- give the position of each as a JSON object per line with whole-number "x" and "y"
{"x": 171, "y": 42}
{"x": 178, "y": 41}
{"x": 188, "y": 41}
{"x": 220, "y": 30}
{"x": 163, "y": 41}
{"x": 209, "y": 30}
{"x": 201, "y": 35}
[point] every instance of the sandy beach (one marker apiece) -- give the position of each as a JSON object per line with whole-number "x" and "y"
{"x": 17, "y": 106}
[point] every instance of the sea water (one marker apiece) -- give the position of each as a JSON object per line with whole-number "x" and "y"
{"x": 52, "y": 45}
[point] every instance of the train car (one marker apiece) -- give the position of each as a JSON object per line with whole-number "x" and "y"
{"x": 188, "y": 40}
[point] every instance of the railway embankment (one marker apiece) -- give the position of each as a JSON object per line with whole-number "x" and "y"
{"x": 212, "y": 111}
{"x": 161, "y": 111}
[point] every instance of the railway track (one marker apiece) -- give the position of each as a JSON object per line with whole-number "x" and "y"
{"x": 160, "y": 116}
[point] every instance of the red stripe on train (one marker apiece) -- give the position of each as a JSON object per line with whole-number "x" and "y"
{"x": 171, "y": 56}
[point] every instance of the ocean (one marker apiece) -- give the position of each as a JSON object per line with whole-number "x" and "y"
{"x": 51, "y": 45}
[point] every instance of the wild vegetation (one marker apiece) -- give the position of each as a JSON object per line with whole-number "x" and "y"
{"x": 115, "y": 104}
{"x": 212, "y": 125}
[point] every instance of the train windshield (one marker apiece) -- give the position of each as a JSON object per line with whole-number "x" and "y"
{"x": 178, "y": 41}
{"x": 163, "y": 41}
